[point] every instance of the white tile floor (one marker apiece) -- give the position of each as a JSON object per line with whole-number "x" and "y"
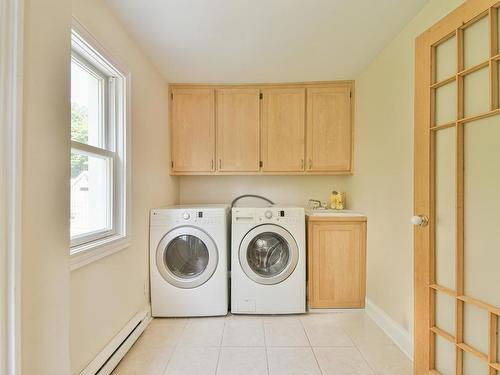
{"x": 346, "y": 343}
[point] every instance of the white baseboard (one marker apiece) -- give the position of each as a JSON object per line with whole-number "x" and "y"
{"x": 398, "y": 334}
{"x": 105, "y": 362}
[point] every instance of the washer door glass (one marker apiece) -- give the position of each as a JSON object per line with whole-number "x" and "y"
{"x": 268, "y": 254}
{"x": 186, "y": 256}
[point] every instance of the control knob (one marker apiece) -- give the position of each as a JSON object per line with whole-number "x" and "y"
{"x": 186, "y": 215}
{"x": 268, "y": 214}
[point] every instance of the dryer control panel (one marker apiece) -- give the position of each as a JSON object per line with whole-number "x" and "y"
{"x": 187, "y": 216}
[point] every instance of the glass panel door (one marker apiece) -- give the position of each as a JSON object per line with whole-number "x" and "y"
{"x": 463, "y": 131}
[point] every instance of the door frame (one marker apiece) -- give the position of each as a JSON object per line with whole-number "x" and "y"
{"x": 11, "y": 21}
{"x": 423, "y": 174}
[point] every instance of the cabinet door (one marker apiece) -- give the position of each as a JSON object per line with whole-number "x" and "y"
{"x": 193, "y": 130}
{"x": 329, "y": 129}
{"x": 336, "y": 264}
{"x": 238, "y": 112}
{"x": 283, "y": 123}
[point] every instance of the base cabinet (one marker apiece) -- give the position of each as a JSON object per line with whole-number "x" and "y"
{"x": 336, "y": 262}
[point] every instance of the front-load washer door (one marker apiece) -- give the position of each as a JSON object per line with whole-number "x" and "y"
{"x": 268, "y": 254}
{"x": 186, "y": 257}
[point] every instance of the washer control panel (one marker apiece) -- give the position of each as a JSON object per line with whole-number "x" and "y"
{"x": 246, "y": 215}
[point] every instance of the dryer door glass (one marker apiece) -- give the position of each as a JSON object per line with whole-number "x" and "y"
{"x": 268, "y": 254}
{"x": 186, "y": 256}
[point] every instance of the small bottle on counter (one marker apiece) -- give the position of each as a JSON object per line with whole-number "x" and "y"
{"x": 337, "y": 200}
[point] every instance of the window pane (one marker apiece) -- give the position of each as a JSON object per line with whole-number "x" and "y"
{"x": 91, "y": 204}
{"x": 86, "y": 106}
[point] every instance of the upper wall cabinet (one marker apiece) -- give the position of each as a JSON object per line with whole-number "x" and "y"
{"x": 329, "y": 129}
{"x": 262, "y": 129}
{"x": 283, "y": 130}
{"x": 238, "y": 121}
{"x": 193, "y": 130}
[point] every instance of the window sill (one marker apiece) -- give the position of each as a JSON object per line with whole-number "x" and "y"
{"x": 83, "y": 255}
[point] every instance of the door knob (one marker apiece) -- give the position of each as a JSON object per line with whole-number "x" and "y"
{"x": 420, "y": 220}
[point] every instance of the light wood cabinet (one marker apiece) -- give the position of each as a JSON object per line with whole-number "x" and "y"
{"x": 259, "y": 129}
{"x": 329, "y": 129}
{"x": 193, "y": 130}
{"x": 336, "y": 262}
{"x": 283, "y": 128}
{"x": 238, "y": 122}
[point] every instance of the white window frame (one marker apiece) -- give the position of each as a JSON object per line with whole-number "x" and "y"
{"x": 87, "y": 51}
{"x": 11, "y": 68}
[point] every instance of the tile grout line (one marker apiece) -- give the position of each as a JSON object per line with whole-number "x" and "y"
{"x": 175, "y": 347}
{"x": 310, "y": 346}
{"x": 220, "y": 345}
{"x": 364, "y": 359}
{"x": 265, "y": 347}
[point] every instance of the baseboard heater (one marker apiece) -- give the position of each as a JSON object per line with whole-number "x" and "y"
{"x": 112, "y": 354}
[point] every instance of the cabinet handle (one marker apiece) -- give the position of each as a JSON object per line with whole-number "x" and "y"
{"x": 310, "y": 163}
{"x": 212, "y": 165}
{"x": 302, "y": 164}
{"x": 220, "y": 164}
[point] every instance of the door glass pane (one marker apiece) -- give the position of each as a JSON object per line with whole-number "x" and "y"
{"x": 445, "y": 312}
{"x": 446, "y": 59}
{"x": 268, "y": 254}
{"x": 473, "y": 365}
{"x": 86, "y": 106}
{"x": 186, "y": 256}
{"x": 446, "y": 104}
{"x": 476, "y": 323}
{"x": 481, "y": 210}
{"x": 476, "y": 43}
{"x": 477, "y": 92}
{"x": 445, "y": 193}
{"x": 90, "y": 194}
{"x": 445, "y": 356}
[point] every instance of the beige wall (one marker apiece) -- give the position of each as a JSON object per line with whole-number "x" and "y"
{"x": 108, "y": 293}
{"x": 294, "y": 190}
{"x": 45, "y": 195}
{"x": 383, "y": 184}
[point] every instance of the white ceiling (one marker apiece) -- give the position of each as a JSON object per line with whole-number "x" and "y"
{"x": 209, "y": 41}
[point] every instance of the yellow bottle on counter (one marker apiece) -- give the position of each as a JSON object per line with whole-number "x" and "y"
{"x": 337, "y": 200}
{"x": 333, "y": 200}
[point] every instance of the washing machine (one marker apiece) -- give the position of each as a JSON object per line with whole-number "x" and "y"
{"x": 189, "y": 261}
{"x": 268, "y": 260}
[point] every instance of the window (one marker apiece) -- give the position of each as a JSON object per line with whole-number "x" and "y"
{"x": 98, "y": 148}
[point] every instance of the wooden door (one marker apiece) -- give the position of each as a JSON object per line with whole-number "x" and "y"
{"x": 193, "y": 130}
{"x": 283, "y": 127}
{"x": 336, "y": 257}
{"x": 457, "y": 200}
{"x": 329, "y": 129}
{"x": 238, "y": 122}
